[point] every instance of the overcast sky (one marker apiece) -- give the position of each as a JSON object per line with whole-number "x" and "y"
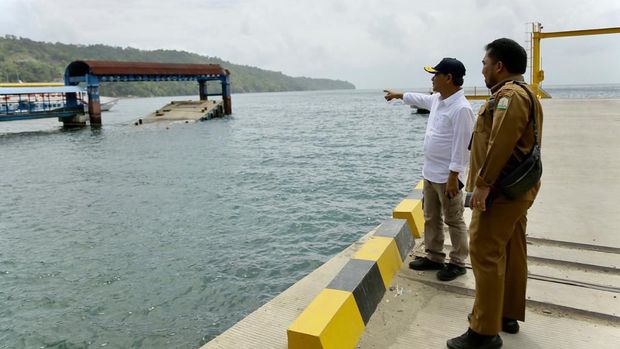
{"x": 373, "y": 44}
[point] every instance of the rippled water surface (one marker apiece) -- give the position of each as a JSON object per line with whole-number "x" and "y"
{"x": 166, "y": 235}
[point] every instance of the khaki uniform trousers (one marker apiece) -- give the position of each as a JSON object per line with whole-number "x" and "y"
{"x": 499, "y": 261}
{"x": 437, "y": 210}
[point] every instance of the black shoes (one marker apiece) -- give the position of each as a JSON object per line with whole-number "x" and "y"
{"x": 423, "y": 263}
{"x": 508, "y": 325}
{"x": 450, "y": 272}
{"x": 446, "y": 272}
{"x": 473, "y": 340}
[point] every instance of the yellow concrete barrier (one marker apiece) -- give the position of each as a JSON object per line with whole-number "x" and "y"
{"x": 383, "y": 251}
{"x": 337, "y": 317}
{"x": 331, "y": 321}
{"x": 411, "y": 210}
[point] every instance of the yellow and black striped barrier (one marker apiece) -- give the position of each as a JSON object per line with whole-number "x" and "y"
{"x": 337, "y": 317}
{"x": 411, "y": 210}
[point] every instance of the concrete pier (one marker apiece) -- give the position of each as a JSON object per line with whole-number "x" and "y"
{"x": 185, "y": 111}
{"x": 573, "y": 247}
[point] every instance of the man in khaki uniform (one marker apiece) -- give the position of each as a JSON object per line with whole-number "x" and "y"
{"x": 502, "y": 137}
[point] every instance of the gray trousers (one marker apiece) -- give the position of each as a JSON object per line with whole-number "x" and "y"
{"x": 437, "y": 210}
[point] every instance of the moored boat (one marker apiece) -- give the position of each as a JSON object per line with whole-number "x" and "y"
{"x": 42, "y": 96}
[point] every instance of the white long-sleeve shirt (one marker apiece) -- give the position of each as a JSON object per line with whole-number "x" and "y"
{"x": 448, "y": 132}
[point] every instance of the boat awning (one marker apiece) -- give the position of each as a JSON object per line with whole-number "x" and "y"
{"x": 40, "y": 90}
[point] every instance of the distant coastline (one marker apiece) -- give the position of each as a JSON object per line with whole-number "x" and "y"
{"x": 22, "y": 59}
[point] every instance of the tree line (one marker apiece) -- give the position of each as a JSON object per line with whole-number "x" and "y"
{"x": 25, "y": 60}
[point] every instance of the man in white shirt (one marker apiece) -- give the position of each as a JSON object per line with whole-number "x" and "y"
{"x": 446, "y": 157}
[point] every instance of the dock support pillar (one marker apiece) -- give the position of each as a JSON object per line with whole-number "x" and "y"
{"x": 202, "y": 84}
{"x": 227, "y": 106}
{"x": 226, "y": 94}
{"x": 78, "y": 120}
{"x": 71, "y": 100}
{"x": 94, "y": 106}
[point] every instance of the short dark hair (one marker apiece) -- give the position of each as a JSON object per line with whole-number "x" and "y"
{"x": 510, "y": 53}
{"x": 457, "y": 80}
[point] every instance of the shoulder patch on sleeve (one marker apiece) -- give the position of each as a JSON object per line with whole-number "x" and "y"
{"x": 503, "y": 103}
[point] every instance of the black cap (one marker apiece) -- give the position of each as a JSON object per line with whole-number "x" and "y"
{"x": 448, "y": 66}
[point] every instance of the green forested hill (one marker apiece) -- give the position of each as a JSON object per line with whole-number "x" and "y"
{"x": 32, "y": 61}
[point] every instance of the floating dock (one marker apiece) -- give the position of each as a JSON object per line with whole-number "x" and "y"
{"x": 93, "y": 73}
{"x": 573, "y": 255}
{"x": 185, "y": 111}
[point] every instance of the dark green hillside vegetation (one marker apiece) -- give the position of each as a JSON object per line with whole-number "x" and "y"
{"x": 31, "y": 61}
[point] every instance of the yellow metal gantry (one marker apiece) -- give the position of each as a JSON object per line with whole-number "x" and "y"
{"x": 537, "y": 74}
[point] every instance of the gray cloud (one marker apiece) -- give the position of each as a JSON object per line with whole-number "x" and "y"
{"x": 372, "y": 44}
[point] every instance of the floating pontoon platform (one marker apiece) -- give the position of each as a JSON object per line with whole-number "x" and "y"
{"x": 186, "y": 111}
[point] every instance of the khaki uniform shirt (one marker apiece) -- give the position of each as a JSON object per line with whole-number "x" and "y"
{"x": 503, "y": 135}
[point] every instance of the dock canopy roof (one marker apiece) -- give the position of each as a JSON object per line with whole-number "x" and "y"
{"x": 99, "y": 68}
